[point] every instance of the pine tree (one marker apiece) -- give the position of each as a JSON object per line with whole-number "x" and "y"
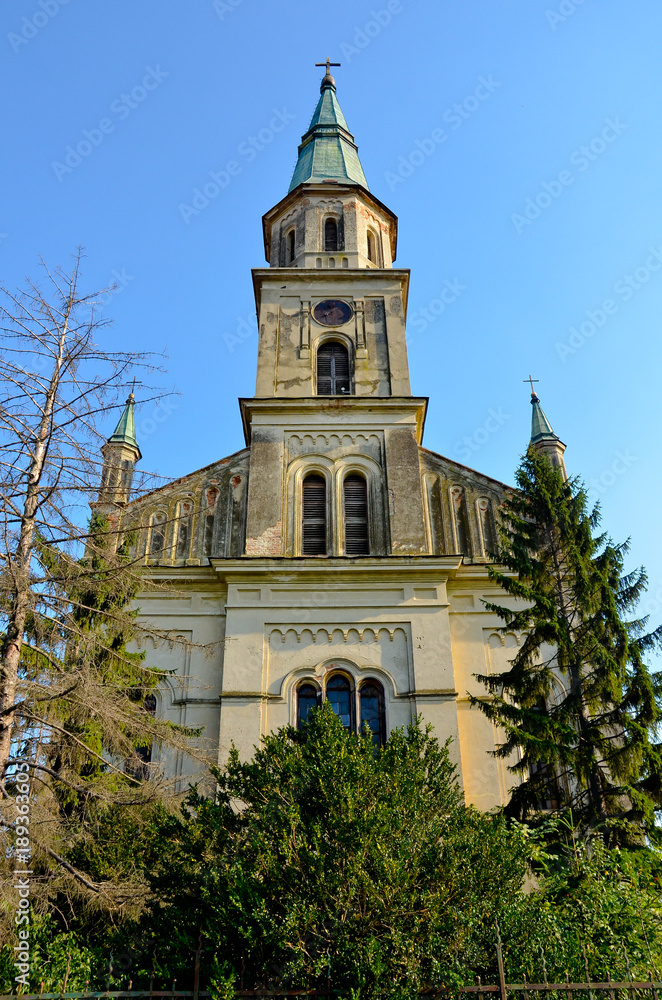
{"x": 85, "y": 731}
{"x": 579, "y": 707}
{"x": 73, "y": 719}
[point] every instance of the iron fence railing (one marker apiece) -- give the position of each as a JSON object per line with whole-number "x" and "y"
{"x": 610, "y": 989}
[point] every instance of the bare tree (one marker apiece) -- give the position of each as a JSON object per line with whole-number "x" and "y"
{"x": 74, "y": 701}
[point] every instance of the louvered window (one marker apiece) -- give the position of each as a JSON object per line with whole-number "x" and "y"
{"x": 355, "y": 490}
{"x": 314, "y": 516}
{"x": 371, "y": 698}
{"x": 290, "y": 246}
{"x": 332, "y": 370}
{"x": 331, "y": 235}
{"x": 371, "y": 247}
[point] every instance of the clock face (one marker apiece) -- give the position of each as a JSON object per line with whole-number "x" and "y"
{"x": 333, "y": 312}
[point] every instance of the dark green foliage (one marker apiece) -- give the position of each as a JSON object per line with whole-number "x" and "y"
{"x": 323, "y": 858}
{"x": 590, "y": 742}
{"x": 594, "y": 912}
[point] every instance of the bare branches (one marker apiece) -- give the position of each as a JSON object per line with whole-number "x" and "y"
{"x": 74, "y": 693}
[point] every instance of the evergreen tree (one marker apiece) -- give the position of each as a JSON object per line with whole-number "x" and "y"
{"x": 578, "y": 706}
{"x": 326, "y": 860}
{"x": 85, "y": 732}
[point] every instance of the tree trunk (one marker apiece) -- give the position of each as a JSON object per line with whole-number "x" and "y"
{"x": 10, "y": 657}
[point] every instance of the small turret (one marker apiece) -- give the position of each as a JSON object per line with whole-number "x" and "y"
{"x": 543, "y": 437}
{"x": 120, "y": 455}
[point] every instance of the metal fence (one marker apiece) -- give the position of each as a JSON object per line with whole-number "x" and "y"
{"x": 627, "y": 989}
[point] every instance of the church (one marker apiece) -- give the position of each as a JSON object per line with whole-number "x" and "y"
{"x": 332, "y": 557}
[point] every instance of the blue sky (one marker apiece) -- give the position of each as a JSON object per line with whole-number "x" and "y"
{"x": 517, "y": 141}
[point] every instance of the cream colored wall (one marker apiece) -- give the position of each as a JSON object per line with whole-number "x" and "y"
{"x": 420, "y": 630}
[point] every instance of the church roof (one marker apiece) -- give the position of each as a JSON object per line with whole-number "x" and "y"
{"x": 328, "y": 150}
{"x": 125, "y": 432}
{"x": 541, "y": 429}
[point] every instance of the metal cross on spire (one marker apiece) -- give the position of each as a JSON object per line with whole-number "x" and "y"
{"x": 328, "y": 65}
{"x": 532, "y": 380}
{"x": 133, "y": 386}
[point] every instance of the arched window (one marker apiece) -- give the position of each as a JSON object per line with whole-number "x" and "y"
{"x": 290, "y": 246}
{"x": 355, "y": 497}
{"x": 314, "y": 516}
{"x": 459, "y": 511}
{"x": 158, "y": 535}
{"x": 339, "y": 696}
{"x": 208, "y": 534}
{"x": 486, "y": 521}
{"x": 331, "y": 235}
{"x": 138, "y": 766}
{"x": 183, "y": 531}
{"x": 372, "y": 254}
{"x": 333, "y": 370}
{"x": 371, "y": 697}
{"x": 307, "y": 698}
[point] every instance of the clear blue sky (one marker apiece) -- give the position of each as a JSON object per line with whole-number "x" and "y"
{"x": 560, "y": 115}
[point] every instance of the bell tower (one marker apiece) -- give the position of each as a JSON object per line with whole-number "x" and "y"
{"x": 332, "y": 382}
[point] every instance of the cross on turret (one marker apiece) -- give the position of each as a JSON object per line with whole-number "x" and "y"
{"x": 532, "y": 380}
{"x": 328, "y": 65}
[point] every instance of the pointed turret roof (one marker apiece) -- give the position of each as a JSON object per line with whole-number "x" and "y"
{"x": 125, "y": 432}
{"x": 328, "y": 151}
{"x": 541, "y": 429}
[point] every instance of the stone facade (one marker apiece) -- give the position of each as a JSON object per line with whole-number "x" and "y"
{"x": 248, "y": 615}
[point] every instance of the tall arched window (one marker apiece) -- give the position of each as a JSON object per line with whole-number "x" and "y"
{"x": 372, "y": 254}
{"x": 339, "y": 696}
{"x": 307, "y": 699}
{"x": 290, "y": 246}
{"x": 314, "y": 516}
{"x": 486, "y": 522}
{"x": 158, "y": 535}
{"x": 371, "y": 697}
{"x": 331, "y": 235}
{"x": 459, "y": 511}
{"x": 138, "y": 766}
{"x": 355, "y": 497}
{"x": 333, "y": 370}
{"x": 183, "y": 530}
{"x": 208, "y": 530}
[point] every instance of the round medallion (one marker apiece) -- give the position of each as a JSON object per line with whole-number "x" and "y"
{"x": 333, "y": 312}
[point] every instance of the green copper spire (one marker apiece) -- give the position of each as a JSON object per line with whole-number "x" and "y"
{"x": 541, "y": 429}
{"x": 327, "y": 150}
{"x": 125, "y": 432}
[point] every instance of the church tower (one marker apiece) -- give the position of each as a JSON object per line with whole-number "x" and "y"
{"x": 333, "y": 558}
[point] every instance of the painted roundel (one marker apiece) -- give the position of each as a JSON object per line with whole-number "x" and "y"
{"x": 333, "y": 312}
